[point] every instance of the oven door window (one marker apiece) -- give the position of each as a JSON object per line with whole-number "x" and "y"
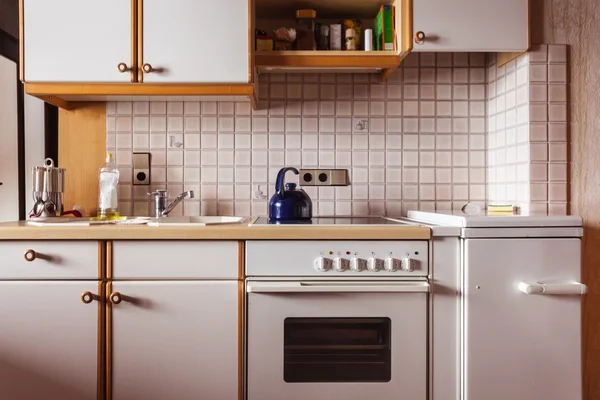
{"x": 337, "y": 350}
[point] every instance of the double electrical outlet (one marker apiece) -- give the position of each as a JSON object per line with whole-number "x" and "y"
{"x": 324, "y": 177}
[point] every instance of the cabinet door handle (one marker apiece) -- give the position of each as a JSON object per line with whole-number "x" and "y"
{"x": 553, "y": 288}
{"x": 116, "y": 297}
{"x": 147, "y": 68}
{"x": 419, "y": 37}
{"x": 30, "y": 255}
{"x": 88, "y": 297}
{"x": 122, "y": 67}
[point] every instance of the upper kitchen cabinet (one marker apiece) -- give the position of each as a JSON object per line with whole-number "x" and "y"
{"x": 471, "y": 25}
{"x": 75, "y": 40}
{"x": 85, "y": 50}
{"x": 329, "y": 54}
{"x": 182, "y": 41}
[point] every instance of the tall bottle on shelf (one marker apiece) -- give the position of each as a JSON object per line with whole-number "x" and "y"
{"x": 108, "y": 199}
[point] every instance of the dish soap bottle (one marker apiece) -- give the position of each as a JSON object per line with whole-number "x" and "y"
{"x": 108, "y": 200}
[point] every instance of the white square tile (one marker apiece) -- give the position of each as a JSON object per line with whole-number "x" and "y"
{"x": 443, "y": 92}
{"x": 327, "y": 125}
{"x": 394, "y": 125}
{"x": 460, "y": 109}
{"x": 557, "y": 112}
{"x": 208, "y": 124}
{"x": 175, "y": 174}
{"x": 360, "y": 108}
{"x": 141, "y": 108}
{"x": 209, "y": 157}
{"x": 243, "y": 157}
{"x": 538, "y": 73}
{"x": 538, "y": 53}
{"x": 175, "y": 108}
{"x": 444, "y": 75}
{"x": 394, "y": 108}
{"x": 124, "y": 108}
{"x": 557, "y": 152}
{"x": 158, "y": 108}
{"x": 427, "y": 75}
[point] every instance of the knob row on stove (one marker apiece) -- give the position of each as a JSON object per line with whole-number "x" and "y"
{"x": 372, "y": 264}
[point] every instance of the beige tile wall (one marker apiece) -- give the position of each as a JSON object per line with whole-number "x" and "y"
{"x": 444, "y": 130}
{"x": 417, "y": 141}
{"x": 527, "y": 130}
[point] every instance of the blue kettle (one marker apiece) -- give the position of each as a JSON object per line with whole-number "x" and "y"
{"x": 289, "y": 203}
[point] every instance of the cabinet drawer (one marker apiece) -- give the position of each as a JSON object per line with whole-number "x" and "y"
{"x": 49, "y": 260}
{"x": 175, "y": 260}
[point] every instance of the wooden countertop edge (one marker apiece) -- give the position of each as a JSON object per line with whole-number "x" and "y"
{"x": 19, "y": 231}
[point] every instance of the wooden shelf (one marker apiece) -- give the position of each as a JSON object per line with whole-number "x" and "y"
{"x": 382, "y": 62}
{"x": 64, "y": 95}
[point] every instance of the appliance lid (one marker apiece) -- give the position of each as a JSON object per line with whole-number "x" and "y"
{"x": 484, "y": 219}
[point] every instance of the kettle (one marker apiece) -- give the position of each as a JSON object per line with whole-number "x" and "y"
{"x": 289, "y": 203}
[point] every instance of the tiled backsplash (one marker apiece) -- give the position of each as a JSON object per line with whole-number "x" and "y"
{"x": 417, "y": 141}
{"x": 527, "y": 130}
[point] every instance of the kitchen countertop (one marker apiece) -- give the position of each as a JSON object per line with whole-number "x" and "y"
{"x": 21, "y": 231}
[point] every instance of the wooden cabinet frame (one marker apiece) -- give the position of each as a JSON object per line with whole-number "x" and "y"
{"x": 64, "y": 95}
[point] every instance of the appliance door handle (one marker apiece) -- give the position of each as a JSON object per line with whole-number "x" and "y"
{"x": 337, "y": 287}
{"x": 553, "y": 288}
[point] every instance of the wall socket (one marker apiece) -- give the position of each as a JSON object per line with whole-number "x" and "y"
{"x": 141, "y": 168}
{"x": 324, "y": 177}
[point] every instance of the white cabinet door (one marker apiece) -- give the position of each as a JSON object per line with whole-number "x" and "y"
{"x": 196, "y": 41}
{"x": 48, "y": 341}
{"x": 472, "y": 25}
{"x": 76, "y": 40}
{"x": 175, "y": 340}
{"x": 519, "y": 346}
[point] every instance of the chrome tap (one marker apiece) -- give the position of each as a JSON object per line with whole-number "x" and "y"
{"x": 161, "y": 209}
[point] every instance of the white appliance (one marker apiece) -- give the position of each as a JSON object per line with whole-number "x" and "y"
{"x": 337, "y": 319}
{"x": 9, "y": 154}
{"x": 518, "y": 305}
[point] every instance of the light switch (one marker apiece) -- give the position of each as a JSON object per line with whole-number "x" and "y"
{"x": 141, "y": 168}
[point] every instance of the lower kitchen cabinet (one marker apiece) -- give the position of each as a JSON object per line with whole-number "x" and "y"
{"x": 174, "y": 340}
{"x": 49, "y": 340}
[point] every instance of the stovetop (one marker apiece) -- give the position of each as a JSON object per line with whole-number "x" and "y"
{"x": 335, "y": 221}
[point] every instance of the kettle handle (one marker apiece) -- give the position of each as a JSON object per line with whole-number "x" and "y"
{"x": 279, "y": 182}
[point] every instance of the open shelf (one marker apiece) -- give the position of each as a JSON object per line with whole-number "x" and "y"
{"x": 271, "y": 14}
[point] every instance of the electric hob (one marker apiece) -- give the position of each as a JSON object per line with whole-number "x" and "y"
{"x": 335, "y": 221}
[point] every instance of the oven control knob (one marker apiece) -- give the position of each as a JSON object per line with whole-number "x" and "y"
{"x": 391, "y": 264}
{"x": 322, "y": 264}
{"x": 373, "y": 264}
{"x": 408, "y": 264}
{"x": 357, "y": 264}
{"x": 340, "y": 264}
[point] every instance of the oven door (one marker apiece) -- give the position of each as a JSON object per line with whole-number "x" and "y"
{"x": 337, "y": 340}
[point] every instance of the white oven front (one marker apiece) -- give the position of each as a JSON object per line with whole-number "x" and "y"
{"x": 351, "y": 340}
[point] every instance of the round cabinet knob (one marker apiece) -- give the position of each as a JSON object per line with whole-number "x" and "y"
{"x": 355, "y": 264}
{"x": 339, "y": 264}
{"x": 147, "y": 68}
{"x": 372, "y": 264}
{"x": 419, "y": 37}
{"x": 87, "y": 297}
{"x": 408, "y": 264}
{"x": 30, "y": 255}
{"x": 122, "y": 67}
{"x": 116, "y": 297}
{"x": 391, "y": 264}
{"x": 322, "y": 264}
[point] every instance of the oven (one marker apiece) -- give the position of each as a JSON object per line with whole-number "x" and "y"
{"x": 320, "y": 334}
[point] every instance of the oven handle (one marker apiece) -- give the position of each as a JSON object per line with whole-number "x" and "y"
{"x": 337, "y": 287}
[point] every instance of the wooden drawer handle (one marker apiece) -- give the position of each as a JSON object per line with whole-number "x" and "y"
{"x": 116, "y": 297}
{"x": 419, "y": 37}
{"x": 147, "y": 68}
{"x": 88, "y": 297}
{"x": 122, "y": 67}
{"x": 30, "y": 255}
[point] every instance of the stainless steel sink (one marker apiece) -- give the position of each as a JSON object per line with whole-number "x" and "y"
{"x": 196, "y": 221}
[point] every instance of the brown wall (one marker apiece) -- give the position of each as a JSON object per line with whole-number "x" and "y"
{"x": 9, "y": 16}
{"x": 577, "y": 23}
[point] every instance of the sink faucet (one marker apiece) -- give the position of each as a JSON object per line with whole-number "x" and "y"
{"x": 161, "y": 209}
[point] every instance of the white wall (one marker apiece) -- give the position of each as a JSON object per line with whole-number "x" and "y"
{"x": 34, "y": 142}
{"x": 9, "y": 190}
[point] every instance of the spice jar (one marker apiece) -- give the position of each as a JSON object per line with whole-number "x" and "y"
{"x": 323, "y": 38}
{"x": 350, "y": 39}
{"x": 305, "y": 30}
